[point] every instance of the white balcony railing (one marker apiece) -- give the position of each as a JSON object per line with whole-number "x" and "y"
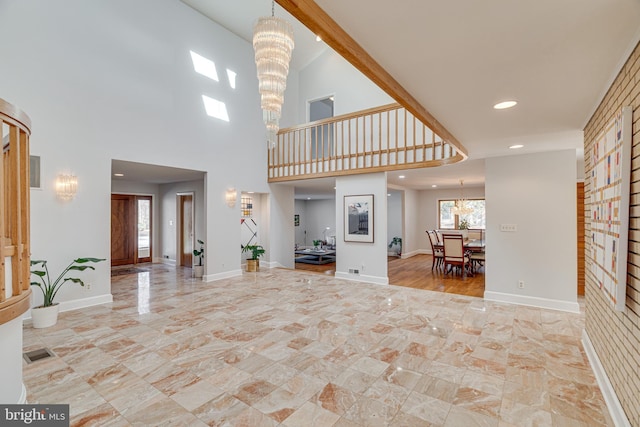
{"x": 374, "y": 140}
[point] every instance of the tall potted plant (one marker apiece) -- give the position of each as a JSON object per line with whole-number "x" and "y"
{"x": 46, "y": 315}
{"x": 253, "y": 263}
{"x": 396, "y": 241}
{"x": 198, "y": 269}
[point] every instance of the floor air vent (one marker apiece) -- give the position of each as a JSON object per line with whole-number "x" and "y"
{"x": 39, "y": 354}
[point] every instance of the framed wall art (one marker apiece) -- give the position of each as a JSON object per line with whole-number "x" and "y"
{"x": 358, "y": 218}
{"x": 610, "y": 190}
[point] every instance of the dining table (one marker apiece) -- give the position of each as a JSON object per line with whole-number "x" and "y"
{"x": 472, "y": 245}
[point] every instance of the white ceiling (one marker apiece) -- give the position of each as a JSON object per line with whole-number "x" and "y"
{"x": 556, "y": 58}
{"x": 152, "y": 174}
{"x": 238, "y": 16}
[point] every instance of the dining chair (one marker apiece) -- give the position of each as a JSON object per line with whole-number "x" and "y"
{"x": 454, "y": 253}
{"x": 438, "y": 254}
{"x": 477, "y": 260}
{"x": 474, "y": 234}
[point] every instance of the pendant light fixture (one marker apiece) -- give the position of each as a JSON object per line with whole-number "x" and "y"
{"x": 460, "y": 207}
{"x": 273, "y": 44}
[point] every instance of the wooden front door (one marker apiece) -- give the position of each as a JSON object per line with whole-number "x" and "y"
{"x": 123, "y": 231}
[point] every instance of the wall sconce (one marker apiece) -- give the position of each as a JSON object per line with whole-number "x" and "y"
{"x": 230, "y": 197}
{"x": 66, "y": 186}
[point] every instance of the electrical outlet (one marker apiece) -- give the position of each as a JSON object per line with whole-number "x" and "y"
{"x": 509, "y": 227}
{"x": 354, "y": 271}
{"x": 521, "y": 284}
{"x": 87, "y": 286}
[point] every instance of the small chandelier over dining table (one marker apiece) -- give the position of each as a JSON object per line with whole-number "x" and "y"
{"x": 461, "y": 207}
{"x": 273, "y": 44}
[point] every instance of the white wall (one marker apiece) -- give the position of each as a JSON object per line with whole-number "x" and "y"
{"x": 394, "y": 216}
{"x": 412, "y": 232}
{"x": 12, "y": 390}
{"x": 537, "y": 193}
{"x": 330, "y": 74}
{"x": 300, "y": 208}
{"x": 107, "y": 80}
{"x": 369, "y": 258}
{"x": 320, "y": 214}
{"x": 168, "y": 217}
{"x": 280, "y": 250}
{"x": 315, "y": 217}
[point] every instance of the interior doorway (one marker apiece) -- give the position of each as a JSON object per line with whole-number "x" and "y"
{"x": 131, "y": 229}
{"x": 321, "y": 136}
{"x": 185, "y": 229}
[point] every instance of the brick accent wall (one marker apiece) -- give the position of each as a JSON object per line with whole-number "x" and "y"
{"x": 616, "y": 335}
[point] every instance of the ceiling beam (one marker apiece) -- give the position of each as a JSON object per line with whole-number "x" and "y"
{"x": 320, "y": 23}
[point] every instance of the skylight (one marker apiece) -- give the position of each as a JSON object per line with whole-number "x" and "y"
{"x": 204, "y": 66}
{"x": 215, "y": 108}
{"x": 232, "y": 78}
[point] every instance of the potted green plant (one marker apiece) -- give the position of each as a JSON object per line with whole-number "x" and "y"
{"x": 316, "y": 244}
{"x": 253, "y": 263}
{"x": 463, "y": 226}
{"x": 198, "y": 269}
{"x": 396, "y": 241}
{"x": 46, "y": 314}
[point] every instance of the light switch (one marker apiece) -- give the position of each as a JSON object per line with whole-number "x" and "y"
{"x": 508, "y": 227}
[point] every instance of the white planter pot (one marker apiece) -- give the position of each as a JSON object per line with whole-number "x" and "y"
{"x": 198, "y": 271}
{"x": 43, "y": 317}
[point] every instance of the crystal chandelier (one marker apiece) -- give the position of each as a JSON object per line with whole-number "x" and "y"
{"x": 460, "y": 207}
{"x": 273, "y": 43}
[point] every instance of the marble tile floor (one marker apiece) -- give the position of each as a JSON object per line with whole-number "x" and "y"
{"x": 287, "y": 348}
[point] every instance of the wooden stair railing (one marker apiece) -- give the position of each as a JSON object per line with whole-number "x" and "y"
{"x": 374, "y": 140}
{"x": 14, "y": 213}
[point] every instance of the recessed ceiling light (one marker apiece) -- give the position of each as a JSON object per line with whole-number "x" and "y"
{"x": 308, "y": 198}
{"x": 318, "y": 38}
{"x": 401, "y": 177}
{"x": 118, "y": 174}
{"x": 250, "y": 192}
{"x": 388, "y": 194}
{"x": 433, "y": 185}
{"x": 504, "y": 104}
{"x": 516, "y": 146}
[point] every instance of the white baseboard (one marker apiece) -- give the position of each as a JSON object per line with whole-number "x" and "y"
{"x": 164, "y": 261}
{"x": 270, "y": 264}
{"x": 611, "y": 399}
{"x": 221, "y": 276}
{"x": 77, "y": 304}
{"x": 406, "y": 255}
{"x": 553, "y": 304}
{"x": 85, "y": 302}
{"x": 23, "y": 396}
{"x": 362, "y": 278}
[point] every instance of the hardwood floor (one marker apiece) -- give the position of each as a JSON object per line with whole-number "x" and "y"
{"x": 415, "y": 272}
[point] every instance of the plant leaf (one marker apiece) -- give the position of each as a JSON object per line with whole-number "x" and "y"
{"x": 85, "y": 260}
{"x": 82, "y": 267}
